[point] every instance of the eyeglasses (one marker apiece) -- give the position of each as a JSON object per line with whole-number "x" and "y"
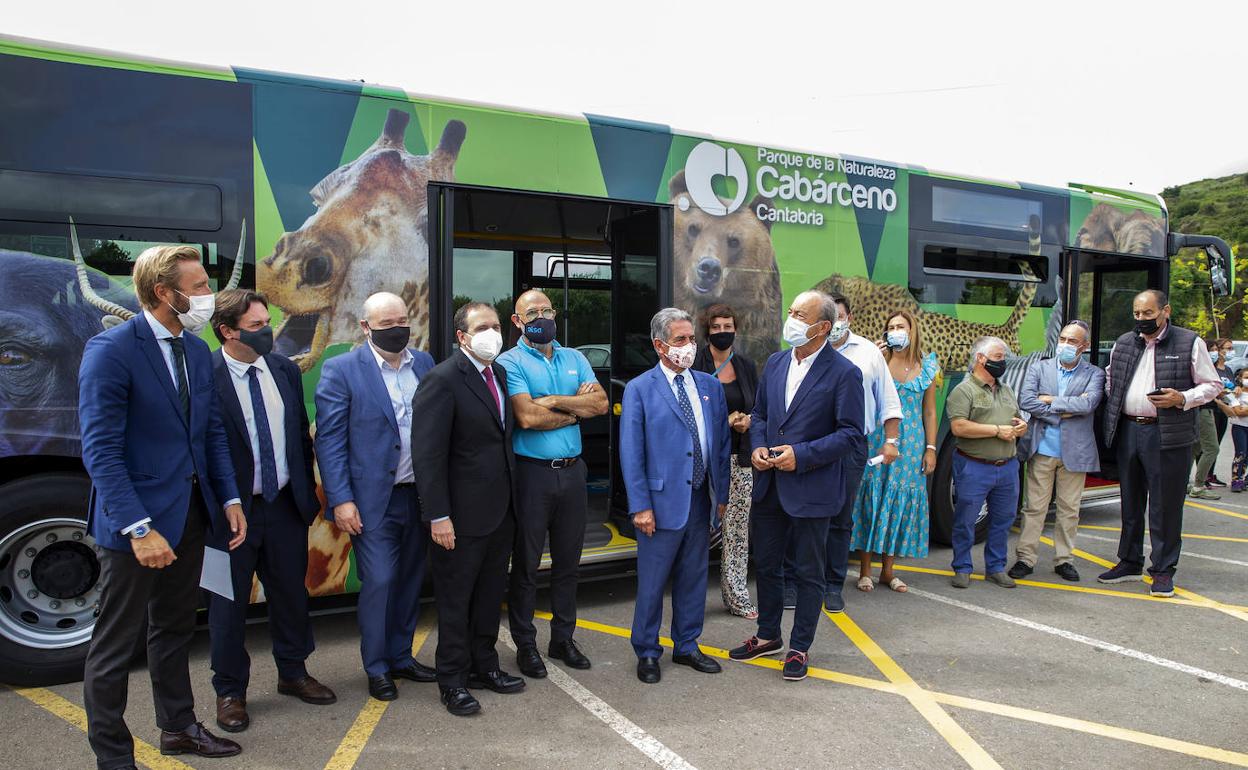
{"x": 547, "y": 312}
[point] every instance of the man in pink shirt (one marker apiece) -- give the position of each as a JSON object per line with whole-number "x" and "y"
{"x": 1158, "y": 375}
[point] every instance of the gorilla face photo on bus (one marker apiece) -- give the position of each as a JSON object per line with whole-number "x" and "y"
{"x": 368, "y": 235}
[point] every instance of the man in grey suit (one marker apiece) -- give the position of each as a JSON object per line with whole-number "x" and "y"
{"x": 1061, "y": 394}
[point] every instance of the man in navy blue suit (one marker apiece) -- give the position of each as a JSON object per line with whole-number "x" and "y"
{"x": 807, "y": 422}
{"x": 363, "y": 447}
{"x": 267, "y": 426}
{"x": 675, "y": 451}
{"x": 162, "y": 486}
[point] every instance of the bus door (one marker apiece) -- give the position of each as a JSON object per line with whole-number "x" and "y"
{"x": 1100, "y": 289}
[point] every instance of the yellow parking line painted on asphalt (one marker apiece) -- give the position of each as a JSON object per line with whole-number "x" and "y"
{"x": 953, "y": 733}
{"x": 1222, "y": 511}
{"x": 1185, "y": 535}
{"x": 1050, "y": 586}
{"x": 1015, "y": 712}
{"x": 352, "y": 744}
{"x": 145, "y": 753}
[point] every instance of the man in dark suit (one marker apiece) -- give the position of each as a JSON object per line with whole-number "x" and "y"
{"x": 807, "y": 422}
{"x": 461, "y": 442}
{"x": 674, "y": 454}
{"x": 363, "y": 431}
{"x": 162, "y": 485}
{"x": 267, "y": 426}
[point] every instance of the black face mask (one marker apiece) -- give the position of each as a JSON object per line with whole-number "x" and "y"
{"x": 995, "y": 368}
{"x": 1146, "y": 326}
{"x": 392, "y": 340}
{"x": 260, "y": 340}
{"x": 540, "y": 331}
{"x": 721, "y": 340}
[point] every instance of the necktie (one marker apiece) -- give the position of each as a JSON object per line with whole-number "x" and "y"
{"x": 488, "y": 373}
{"x": 699, "y": 465}
{"x": 268, "y": 463}
{"x": 179, "y": 368}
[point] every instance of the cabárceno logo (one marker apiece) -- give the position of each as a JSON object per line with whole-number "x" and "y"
{"x": 784, "y": 177}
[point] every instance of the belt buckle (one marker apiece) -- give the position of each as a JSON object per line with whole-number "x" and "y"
{"x": 559, "y": 464}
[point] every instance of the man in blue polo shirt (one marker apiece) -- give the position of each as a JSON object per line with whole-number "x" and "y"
{"x": 552, "y": 388}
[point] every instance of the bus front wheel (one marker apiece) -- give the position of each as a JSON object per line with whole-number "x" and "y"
{"x": 943, "y": 498}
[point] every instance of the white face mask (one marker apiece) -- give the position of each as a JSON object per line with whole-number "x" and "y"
{"x": 486, "y": 344}
{"x": 795, "y": 331}
{"x": 839, "y": 330}
{"x": 682, "y": 357}
{"x": 898, "y": 339}
{"x": 200, "y": 313}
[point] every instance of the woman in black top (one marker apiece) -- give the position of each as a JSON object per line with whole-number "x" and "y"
{"x": 740, "y": 380}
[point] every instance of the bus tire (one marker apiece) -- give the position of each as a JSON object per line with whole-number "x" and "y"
{"x": 49, "y": 579}
{"x": 942, "y": 500}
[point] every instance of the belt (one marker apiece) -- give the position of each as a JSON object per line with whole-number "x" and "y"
{"x": 557, "y": 463}
{"x": 1140, "y": 420}
{"x": 405, "y": 485}
{"x": 997, "y": 463}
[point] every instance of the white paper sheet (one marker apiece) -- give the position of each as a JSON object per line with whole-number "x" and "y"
{"x": 216, "y": 573}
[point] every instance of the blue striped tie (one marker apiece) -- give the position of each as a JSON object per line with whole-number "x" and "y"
{"x": 268, "y": 463}
{"x": 699, "y": 465}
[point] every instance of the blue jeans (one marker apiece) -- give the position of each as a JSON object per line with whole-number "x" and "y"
{"x": 976, "y": 483}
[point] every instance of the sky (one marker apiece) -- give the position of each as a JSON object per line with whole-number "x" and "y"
{"x": 1124, "y": 94}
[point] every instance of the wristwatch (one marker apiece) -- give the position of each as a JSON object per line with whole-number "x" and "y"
{"x": 140, "y": 532}
{"x": 893, "y": 441}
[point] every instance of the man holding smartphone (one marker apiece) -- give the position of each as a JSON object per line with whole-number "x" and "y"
{"x": 1158, "y": 375}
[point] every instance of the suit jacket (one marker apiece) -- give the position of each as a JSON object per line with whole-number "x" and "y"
{"x": 656, "y": 448}
{"x": 823, "y": 424}
{"x": 1083, "y": 394}
{"x": 465, "y": 466}
{"x": 357, "y": 434}
{"x": 747, "y": 377}
{"x": 295, "y": 420}
{"x": 137, "y": 445}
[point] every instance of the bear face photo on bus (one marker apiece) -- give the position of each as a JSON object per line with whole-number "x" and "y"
{"x": 368, "y": 235}
{"x": 727, "y": 259}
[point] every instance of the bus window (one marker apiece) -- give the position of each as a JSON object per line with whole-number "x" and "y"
{"x": 95, "y": 200}
{"x": 968, "y": 276}
{"x": 484, "y": 275}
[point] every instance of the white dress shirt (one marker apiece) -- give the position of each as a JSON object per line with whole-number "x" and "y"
{"x": 275, "y": 410}
{"x": 1208, "y": 383}
{"x": 880, "y": 394}
{"x": 797, "y": 374}
{"x": 695, "y": 401}
{"x": 502, "y": 416}
{"x": 401, "y": 384}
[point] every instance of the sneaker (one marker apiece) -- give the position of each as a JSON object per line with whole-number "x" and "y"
{"x": 1121, "y": 573}
{"x": 833, "y": 602}
{"x": 961, "y": 580}
{"x": 790, "y": 598}
{"x": 1214, "y": 481}
{"x": 1202, "y": 493}
{"x": 1163, "y": 585}
{"x": 1067, "y": 571}
{"x": 795, "y": 666}
{"x": 1237, "y": 486}
{"x": 1021, "y": 569}
{"x": 1001, "y": 579}
{"x": 755, "y": 648}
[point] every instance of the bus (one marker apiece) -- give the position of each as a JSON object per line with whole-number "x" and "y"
{"x": 320, "y": 192}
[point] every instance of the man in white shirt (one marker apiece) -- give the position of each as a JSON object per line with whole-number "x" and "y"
{"x": 267, "y": 428}
{"x": 883, "y": 407}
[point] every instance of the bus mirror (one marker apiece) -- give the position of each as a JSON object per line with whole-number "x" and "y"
{"x": 1219, "y": 270}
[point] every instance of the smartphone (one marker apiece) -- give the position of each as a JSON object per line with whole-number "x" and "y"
{"x": 773, "y": 454}
{"x": 1157, "y": 392}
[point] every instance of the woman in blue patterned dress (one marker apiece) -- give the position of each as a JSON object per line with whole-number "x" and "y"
{"x": 890, "y": 512}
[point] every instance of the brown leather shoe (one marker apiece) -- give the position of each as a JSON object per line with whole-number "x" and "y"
{"x": 232, "y": 714}
{"x": 197, "y": 740}
{"x": 308, "y": 690}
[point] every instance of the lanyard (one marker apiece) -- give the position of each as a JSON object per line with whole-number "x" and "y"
{"x": 720, "y": 368}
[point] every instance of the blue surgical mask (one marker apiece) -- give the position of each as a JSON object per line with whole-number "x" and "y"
{"x": 898, "y": 339}
{"x": 1214, "y": 356}
{"x": 1067, "y": 353}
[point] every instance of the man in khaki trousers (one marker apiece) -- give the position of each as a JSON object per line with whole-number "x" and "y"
{"x": 1061, "y": 394}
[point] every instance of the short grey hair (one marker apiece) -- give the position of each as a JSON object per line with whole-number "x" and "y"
{"x": 661, "y": 323}
{"x": 985, "y": 345}
{"x": 1087, "y": 330}
{"x": 828, "y": 310}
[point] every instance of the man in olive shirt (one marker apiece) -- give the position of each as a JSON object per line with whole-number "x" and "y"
{"x": 983, "y": 415}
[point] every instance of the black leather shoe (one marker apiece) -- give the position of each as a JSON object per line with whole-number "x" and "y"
{"x": 1067, "y": 571}
{"x": 648, "y": 670}
{"x": 569, "y": 653}
{"x": 1020, "y": 570}
{"x": 417, "y": 672}
{"x": 530, "y": 663}
{"x": 698, "y": 661}
{"x": 382, "y": 687}
{"x": 498, "y": 681}
{"x": 198, "y": 741}
{"x": 459, "y": 701}
{"x": 833, "y": 601}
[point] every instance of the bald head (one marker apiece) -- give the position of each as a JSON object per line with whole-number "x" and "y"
{"x": 530, "y": 305}
{"x": 384, "y": 306}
